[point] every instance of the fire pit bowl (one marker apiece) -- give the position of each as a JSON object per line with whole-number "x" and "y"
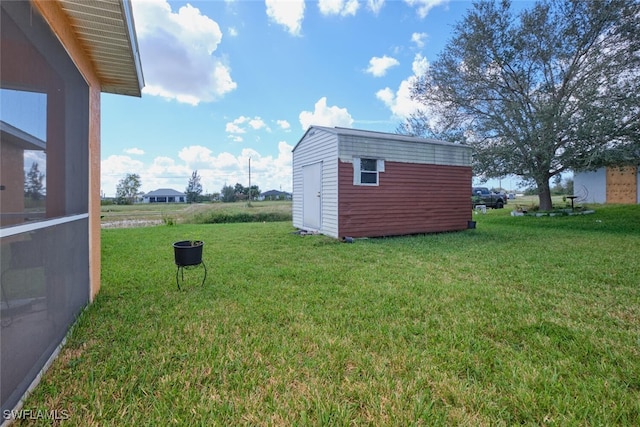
{"x": 188, "y": 253}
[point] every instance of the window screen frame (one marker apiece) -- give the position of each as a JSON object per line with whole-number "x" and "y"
{"x": 359, "y": 172}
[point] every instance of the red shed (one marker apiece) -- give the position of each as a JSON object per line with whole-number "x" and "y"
{"x": 358, "y": 183}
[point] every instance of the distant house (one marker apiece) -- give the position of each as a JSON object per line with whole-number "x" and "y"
{"x": 608, "y": 185}
{"x": 358, "y": 183}
{"x": 164, "y": 195}
{"x": 58, "y": 57}
{"x": 275, "y": 195}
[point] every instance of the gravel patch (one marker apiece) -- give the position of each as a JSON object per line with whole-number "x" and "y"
{"x": 131, "y": 223}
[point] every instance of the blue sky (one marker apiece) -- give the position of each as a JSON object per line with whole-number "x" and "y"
{"x": 231, "y": 80}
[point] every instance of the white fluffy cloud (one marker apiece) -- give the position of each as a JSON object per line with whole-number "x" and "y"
{"x": 400, "y": 102}
{"x": 288, "y": 13}
{"x": 322, "y": 115}
{"x": 283, "y": 124}
{"x": 338, "y": 7}
{"x": 418, "y": 39}
{"x": 215, "y": 170}
{"x": 239, "y": 126}
{"x": 378, "y": 66}
{"x": 114, "y": 168}
{"x": 375, "y": 5}
{"x": 134, "y": 151}
{"x": 177, "y": 52}
{"x": 424, "y": 6}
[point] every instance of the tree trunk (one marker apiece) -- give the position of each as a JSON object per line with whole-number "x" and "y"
{"x": 544, "y": 195}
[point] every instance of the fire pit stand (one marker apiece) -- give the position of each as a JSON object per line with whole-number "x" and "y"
{"x": 188, "y": 253}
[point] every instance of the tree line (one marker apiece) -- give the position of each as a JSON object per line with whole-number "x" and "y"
{"x": 128, "y": 189}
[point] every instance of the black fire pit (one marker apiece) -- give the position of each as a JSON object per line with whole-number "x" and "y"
{"x": 188, "y": 253}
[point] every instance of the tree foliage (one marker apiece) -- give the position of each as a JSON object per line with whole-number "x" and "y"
{"x": 34, "y": 183}
{"x": 194, "y": 188}
{"x": 554, "y": 88}
{"x": 127, "y": 189}
{"x": 228, "y": 194}
{"x": 239, "y": 192}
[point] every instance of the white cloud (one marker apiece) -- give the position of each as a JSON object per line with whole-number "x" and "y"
{"x": 378, "y": 66}
{"x": 114, "y": 168}
{"x": 238, "y": 126}
{"x": 420, "y": 65}
{"x": 232, "y": 31}
{"x": 418, "y": 39}
{"x": 288, "y": 13}
{"x": 269, "y": 172}
{"x": 215, "y": 170}
{"x": 233, "y": 128}
{"x": 257, "y": 123}
{"x": 424, "y": 6}
{"x": 338, "y": 7}
{"x": 375, "y": 5}
{"x": 325, "y": 116}
{"x": 283, "y": 124}
{"x": 400, "y": 102}
{"x": 176, "y": 49}
{"x": 134, "y": 151}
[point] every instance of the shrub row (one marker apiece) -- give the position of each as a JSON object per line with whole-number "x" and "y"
{"x": 226, "y": 218}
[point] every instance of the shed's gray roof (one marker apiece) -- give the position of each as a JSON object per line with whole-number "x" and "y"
{"x": 340, "y": 131}
{"x": 163, "y": 192}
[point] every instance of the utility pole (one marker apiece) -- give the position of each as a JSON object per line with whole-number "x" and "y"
{"x": 249, "y": 179}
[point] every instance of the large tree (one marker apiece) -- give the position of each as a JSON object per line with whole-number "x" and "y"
{"x": 553, "y": 88}
{"x": 127, "y": 189}
{"x": 194, "y": 188}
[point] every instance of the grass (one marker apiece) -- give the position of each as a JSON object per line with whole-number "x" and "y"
{"x": 199, "y": 213}
{"x": 522, "y": 321}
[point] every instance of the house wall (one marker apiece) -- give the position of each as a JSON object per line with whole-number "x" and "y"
{"x": 622, "y": 185}
{"x": 62, "y": 28}
{"x": 410, "y": 198}
{"x": 52, "y": 257}
{"x": 591, "y": 187}
{"x": 317, "y": 146}
{"x": 604, "y": 186}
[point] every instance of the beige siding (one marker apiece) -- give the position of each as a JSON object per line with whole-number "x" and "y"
{"x": 317, "y": 146}
{"x": 435, "y": 153}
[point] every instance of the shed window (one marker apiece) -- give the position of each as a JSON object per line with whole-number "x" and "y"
{"x": 366, "y": 171}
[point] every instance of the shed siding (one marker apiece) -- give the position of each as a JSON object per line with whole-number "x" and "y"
{"x": 410, "y": 198}
{"x": 404, "y": 151}
{"x": 598, "y": 186}
{"x": 318, "y": 146}
{"x": 591, "y": 186}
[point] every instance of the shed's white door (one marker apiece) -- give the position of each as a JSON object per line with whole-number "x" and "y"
{"x": 312, "y": 196}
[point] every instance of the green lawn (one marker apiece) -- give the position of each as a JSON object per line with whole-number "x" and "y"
{"x": 171, "y": 213}
{"x": 524, "y": 320}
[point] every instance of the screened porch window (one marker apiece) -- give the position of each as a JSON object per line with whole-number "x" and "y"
{"x": 44, "y": 194}
{"x": 44, "y": 123}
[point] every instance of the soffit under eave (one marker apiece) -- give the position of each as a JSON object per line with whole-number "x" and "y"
{"x": 106, "y": 31}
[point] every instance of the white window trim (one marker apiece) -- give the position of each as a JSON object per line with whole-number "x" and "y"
{"x": 357, "y": 173}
